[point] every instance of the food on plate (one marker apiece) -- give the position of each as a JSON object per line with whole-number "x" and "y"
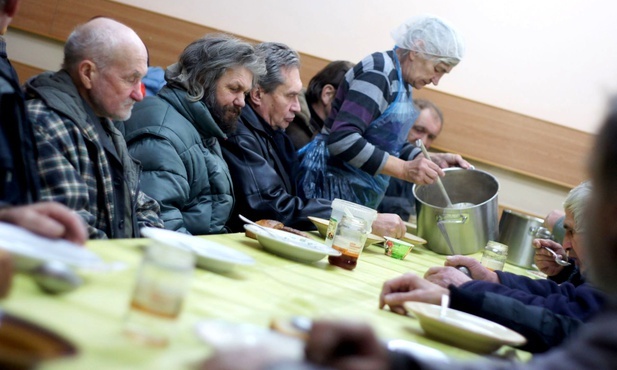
{"x": 273, "y": 224}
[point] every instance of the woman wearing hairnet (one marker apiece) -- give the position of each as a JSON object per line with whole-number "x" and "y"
{"x": 357, "y": 150}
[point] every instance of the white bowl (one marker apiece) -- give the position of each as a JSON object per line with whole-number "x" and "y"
{"x": 463, "y": 330}
{"x": 290, "y": 245}
{"x": 209, "y": 255}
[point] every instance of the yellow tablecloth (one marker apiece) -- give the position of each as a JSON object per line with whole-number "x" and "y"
{"x": 92, "y": 316}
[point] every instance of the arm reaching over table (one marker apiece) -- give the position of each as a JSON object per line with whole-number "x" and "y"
{"x": 409, "y": 287}
{"x": 49, "y": 219}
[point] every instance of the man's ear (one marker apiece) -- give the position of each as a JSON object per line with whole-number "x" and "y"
{"x": 87, "y": 72}
{"x": 255, "y": 95}
{"x": 327, "y": 94}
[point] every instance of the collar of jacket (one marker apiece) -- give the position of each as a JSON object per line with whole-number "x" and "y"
{"x": 195, "y": 112}
{"x": 251, "y": 118}
{"x": 57, "y": 91}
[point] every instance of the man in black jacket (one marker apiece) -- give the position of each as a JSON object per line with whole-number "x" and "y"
{"x": 261, "y": 157}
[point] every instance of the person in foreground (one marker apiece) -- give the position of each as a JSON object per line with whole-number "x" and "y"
{"x": 358, "y": 149}
{"x": 262, "y": 159}
{"x": 19, "y": 185}
{"x": 335, "y": 345}
{"x": 83, "y": 159}
{"x": 543, "y": 311}
{"x": 175, "y": 134}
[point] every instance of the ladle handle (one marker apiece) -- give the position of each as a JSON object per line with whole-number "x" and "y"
{"x": 420, "y": 143}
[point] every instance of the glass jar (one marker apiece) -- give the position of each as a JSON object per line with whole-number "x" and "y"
{"x": 349, "y": 239}
{"x": 494, "y": 256}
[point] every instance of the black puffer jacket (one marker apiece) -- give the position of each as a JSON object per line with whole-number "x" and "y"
{"x": 262, "y": 162}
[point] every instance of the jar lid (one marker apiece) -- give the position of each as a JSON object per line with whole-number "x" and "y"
{"x": 353, "y": 221}
{"x": 497, "y": 246}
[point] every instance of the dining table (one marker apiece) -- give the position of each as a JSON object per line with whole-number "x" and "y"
{"x": 92, "y": 316}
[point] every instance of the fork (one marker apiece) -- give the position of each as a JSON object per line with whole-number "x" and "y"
{"x": 558, "y": 259}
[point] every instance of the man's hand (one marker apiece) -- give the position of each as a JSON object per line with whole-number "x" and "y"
{"x": 389, "y": 224}
{"x": 445, "y": 276}
{"x": 345, "y": 346}
{"x": 409, "y": 287}
{"x": 544, "y": 259}
{"x": 478, "y": 272}
{"x": 445, "y": 160}
{"x": 49, "y": 219}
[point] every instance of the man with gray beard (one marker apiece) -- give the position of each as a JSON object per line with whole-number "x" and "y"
{"x": 175, "y": 134}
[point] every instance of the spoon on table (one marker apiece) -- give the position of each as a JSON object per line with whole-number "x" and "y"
{"x": 420, "y": 144}
{"x": 558, "y": 259}
{"x": 266, "y": 229}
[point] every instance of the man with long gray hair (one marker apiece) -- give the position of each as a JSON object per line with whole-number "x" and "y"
{"x": 174, "y": 134}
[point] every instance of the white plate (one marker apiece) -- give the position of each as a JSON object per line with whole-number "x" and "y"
{"x": 290, "y": 245}
{"x": 227, "y": 336}
{"x": 463, "y": 330}
{"x": 210, "y": 255}
{"x": 30, "y": 250}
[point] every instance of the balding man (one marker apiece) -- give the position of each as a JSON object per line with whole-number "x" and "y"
{"x": 83, "y": 159}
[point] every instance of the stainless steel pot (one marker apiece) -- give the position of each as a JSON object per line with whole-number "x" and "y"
{"x": 469, "y": 227}
{"x": 517, "y": 231}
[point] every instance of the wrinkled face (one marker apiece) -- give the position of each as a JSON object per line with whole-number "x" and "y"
{"x": 419, "y": 71}
{"x": 231, "y": 89}
{"x": 117, "y": 87}
{"x": 279, "y": 107}
{"x": 426, "y": 128}
{"x": 573, "y": 241}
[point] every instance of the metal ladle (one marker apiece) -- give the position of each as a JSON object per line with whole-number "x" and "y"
{"x": 420, "y": 144}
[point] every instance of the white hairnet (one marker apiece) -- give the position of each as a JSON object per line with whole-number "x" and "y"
{"x": 431, "y": 36}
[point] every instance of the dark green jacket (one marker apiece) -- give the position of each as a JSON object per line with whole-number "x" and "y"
{"x": 183, "y": 169}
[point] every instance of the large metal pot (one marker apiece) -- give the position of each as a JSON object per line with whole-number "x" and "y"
{"x": 517, "y": 231}
{"x": 469, "y": 227}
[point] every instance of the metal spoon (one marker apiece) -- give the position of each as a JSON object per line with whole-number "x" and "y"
{"x": 558, "y": 259}
{"x": 266, "y": 229}
{"x": 56, "y": 277}
{"x": 439, "y": 183}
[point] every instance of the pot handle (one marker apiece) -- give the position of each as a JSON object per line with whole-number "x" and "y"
{"x": 460, "y": 219}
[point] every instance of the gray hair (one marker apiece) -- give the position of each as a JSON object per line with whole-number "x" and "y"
{"x": 427, "y": 104}
{"x": 576, "y": 202}
{"x": 277, "y": 56}
{"x": 94, "y": 43}
{"x": 205, "y": 60}
{"x": 432, "y": 37}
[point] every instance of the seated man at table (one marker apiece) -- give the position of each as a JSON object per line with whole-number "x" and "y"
{"x": 566, "y": 303}
{"x": 336, "y": 345}
{"x": 175, "y": 134}
{"x": 83, "y": 159}
{"x": 399, "y": 196}
{"x": 319, "y": 96}
{"x": 262, "y": 159}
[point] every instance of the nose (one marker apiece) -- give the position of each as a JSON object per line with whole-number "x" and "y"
{"x": 435, "y": 80}
{"x": 136, "y": 93}
{"x": 295, "y": 105}
{"x": 239, "y": 101}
